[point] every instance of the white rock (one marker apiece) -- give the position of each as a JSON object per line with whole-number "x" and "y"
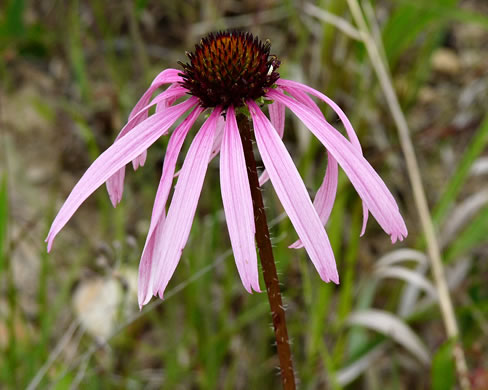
{"x": 99, "y": 302}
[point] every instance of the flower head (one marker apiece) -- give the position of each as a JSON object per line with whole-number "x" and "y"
{"x": 229, "y": 70}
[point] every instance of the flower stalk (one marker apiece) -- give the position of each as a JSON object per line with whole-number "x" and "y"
{"x": 267, "y": 259}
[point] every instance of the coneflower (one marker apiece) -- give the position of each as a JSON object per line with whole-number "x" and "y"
{"x": 229, "y": 74}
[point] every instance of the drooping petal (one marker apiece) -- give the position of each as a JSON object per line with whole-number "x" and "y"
{"x": 115, "y": 184}
{"x": 236, "y": 197}
{"x": 115, "y": 157}
{"x": 325, "y": 197}
{"x": 162, "y": 105}
{"x": 219, "y": 133}
{"x": 277, "y": 117}
{"x": 286, "y": 84}
{"x": 365, "y": 180}
{"x": 303, "y": 98}
{"x": 293, "y": 195}
{"x": 167, "y": 76}
{"x": 158, "y": 214}
{"x": 174, "y": 94}
{"x": 176, "y": 229}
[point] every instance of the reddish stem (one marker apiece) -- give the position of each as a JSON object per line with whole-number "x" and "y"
{"x": 267, "y": 259}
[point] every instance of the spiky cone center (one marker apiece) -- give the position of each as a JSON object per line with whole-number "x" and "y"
{"x": 228, "y": 68}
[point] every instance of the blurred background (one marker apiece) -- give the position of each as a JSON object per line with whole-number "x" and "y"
{"x": 70, "y": 72}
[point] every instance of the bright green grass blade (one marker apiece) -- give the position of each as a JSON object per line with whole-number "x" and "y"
{"x": 406, "y": 24}
{"x": 9, "y": 358}
{"x": 443, "y": 369}
{"x": 13, "y": 22}
{"x": 75, "y": 49}
{"x": 346, "y": 293}
{"x": 452, "y": 13}
{"x": 474, "y": 149}
{"x": 3, "y": 220}
{"x": 473, "y": 236}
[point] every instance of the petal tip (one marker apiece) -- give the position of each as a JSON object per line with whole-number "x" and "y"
{"x": 335, "y": 278}
{"x": 49, "y": 239}
{"x": 296, "y": 245}
{"x": 114, "y": 199}
{"x": 256, "y": 287}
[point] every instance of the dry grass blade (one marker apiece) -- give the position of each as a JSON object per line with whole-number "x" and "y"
{"x": 243, "y": 20}
{"x": 334, "y": 20}
{"x": 347, "y": 374}
{"x": 411, "y": 294}
{"x": 393, "y": 327}
{"x": 400, "y": 256}
{"x": 409, "y": 276}
{"x": 461, "y": 214}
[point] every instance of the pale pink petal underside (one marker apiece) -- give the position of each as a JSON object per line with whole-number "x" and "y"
{"x": 277, "y": 117}
{"x": 176, "y": 229}
{"x": 236, "y": 197}
{"x": 167, "y": 76}
{"x": 365, "y": 180}
{"x": 219, "y": 133}
{"x": 325, "y": 197}
{"x": 286, "y": 84}
{"x": 158, "y": 214}
{"x": 293, "y": 195}
{"x": 115, "y": 157}
{"x": 303, "y": 98}
{"x": 115, "y": 184}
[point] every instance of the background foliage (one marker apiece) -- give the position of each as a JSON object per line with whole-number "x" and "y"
{"x": 70, "y": 71}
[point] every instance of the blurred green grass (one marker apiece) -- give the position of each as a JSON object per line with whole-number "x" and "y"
{"x": 87, "y": 65}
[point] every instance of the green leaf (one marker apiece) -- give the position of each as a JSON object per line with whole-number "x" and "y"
{"x": 13, "y": 23}
{"x": 443, "y": 370}
{"x": 474, "y": 149}
{"x": 3, "y": 219}
{"x": 407, "y": 23}
{"x": 472, "y": 236}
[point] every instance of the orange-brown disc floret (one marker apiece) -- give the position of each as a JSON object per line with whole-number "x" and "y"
{"x": 228, "y": 68}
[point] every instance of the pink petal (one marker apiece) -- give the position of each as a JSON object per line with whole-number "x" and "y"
{"x": 286, "y": 84}
{"x": 158, "y": 214}
{"x": 219, "y": 133}
{"x": 368, "y": 184}
{"x": 277, "y": 117}
{"x": 237, "y": 200}
{"x": 115, "y": 157}
{"x": 162, "y": 105}
{"x": 303, "y": 98}
{"x": 115, "y": 184}
{"x": 176, "y": 229}
{"x": 293, "y": 195}
{"x": 139, "y": 161}
{"x": 325, "y": 197}
{"x": 167, "y": 76}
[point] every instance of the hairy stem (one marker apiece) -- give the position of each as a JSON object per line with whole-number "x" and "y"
{"x": 267, "y": 259}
